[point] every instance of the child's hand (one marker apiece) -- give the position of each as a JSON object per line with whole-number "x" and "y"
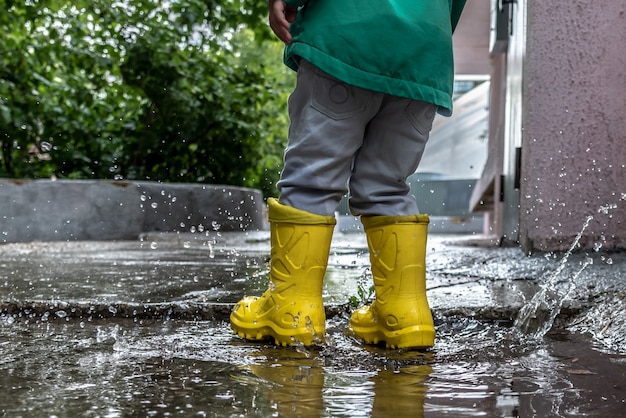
{"x": 280, "y": 16}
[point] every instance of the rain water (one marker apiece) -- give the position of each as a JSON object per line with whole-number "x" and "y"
{"x": 141, "y": 329}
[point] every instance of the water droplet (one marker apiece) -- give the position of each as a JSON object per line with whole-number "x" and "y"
{"x": 606, "y": 208}
{"x": 300, "y": 348}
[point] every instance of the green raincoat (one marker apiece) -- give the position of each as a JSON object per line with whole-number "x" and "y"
{"x": 398, "y": 47}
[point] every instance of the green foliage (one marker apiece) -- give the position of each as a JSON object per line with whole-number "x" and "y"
{"x": 364, "y": 293}
{"x": 192, "y": 90}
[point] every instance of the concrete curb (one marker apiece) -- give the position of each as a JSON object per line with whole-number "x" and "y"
{"x": 60, "y": 210}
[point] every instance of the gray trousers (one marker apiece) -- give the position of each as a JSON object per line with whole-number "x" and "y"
{"x": 347, "y": 139}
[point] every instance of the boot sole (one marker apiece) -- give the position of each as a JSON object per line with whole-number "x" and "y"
{"x": 417, "y": 337}
{"x": 281, "y": 337}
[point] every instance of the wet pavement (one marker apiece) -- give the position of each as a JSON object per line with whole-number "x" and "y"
{"x": 140, "y": 328}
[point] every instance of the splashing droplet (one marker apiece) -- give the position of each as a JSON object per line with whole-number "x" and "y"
{"x": 537, "y": 317}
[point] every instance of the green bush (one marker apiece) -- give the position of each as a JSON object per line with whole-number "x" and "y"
{"x": 185, "y": 91}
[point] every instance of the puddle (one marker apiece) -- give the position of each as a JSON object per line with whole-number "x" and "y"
{"x": 199, "y": 368}
{"x": 112, "y": 329}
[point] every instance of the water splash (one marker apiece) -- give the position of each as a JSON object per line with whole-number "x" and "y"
{"x": 300, "y": 347}
{"x": 537, "y": 317}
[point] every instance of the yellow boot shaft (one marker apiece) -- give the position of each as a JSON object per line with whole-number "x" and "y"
{"x": 291, "y": 311}
{"x": 400, "y": 314}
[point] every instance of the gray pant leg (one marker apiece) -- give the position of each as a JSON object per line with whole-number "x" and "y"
{"x": 328, "y": 121}
{"x": 392, "y": 149}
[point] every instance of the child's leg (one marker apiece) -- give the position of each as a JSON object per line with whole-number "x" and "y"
{"x": 328, "y": 120}
{"x": 392, "y": 149}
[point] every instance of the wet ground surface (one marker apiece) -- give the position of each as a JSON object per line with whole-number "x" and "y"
{"x": 139, "y": 328}
{"x": 117, "y": 368}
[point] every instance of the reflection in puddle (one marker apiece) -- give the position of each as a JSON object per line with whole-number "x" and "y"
{"x": 120, "y": 368}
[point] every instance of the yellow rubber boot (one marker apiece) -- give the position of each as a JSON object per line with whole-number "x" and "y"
{"x": 291, "y": 310}
{"x": 400, "y": 315}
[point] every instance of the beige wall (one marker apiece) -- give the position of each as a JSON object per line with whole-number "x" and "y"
{"x": 471, "y": 39}
{"x": 558, "y": 96}
{"x": 573, "y": 125}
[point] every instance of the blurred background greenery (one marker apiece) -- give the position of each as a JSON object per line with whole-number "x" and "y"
{"x": 171, "y": 91}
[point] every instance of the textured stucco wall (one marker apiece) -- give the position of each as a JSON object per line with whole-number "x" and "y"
{"x": 574, "y": 125}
